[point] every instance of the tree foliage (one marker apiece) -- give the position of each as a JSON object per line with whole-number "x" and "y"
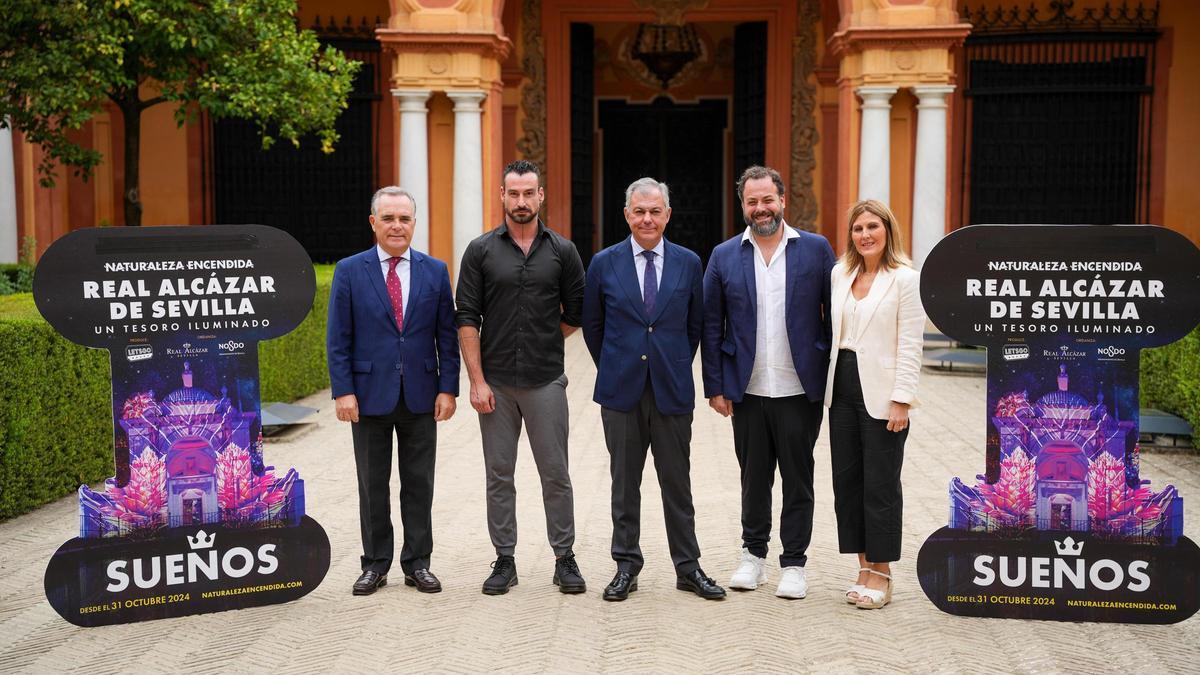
{"x": 60, "y": 60}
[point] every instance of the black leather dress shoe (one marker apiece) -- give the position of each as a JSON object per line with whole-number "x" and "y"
{"x": 697, "y": 582}
{"x": 622, "y": 584}
{"x": 503, "y": 577}
{"x": 567, "y": 576}
{"x": 368, "y": 581}
{"x": 424, "y": 581}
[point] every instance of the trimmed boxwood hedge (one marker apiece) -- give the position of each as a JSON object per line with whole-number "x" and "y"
{"x": 56, "y": 417}
{"x": 1171, "y": 380}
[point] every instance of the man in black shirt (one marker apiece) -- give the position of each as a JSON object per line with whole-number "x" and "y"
{"x": 520, "y": 293}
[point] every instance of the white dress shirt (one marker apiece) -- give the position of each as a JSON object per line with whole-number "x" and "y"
{"x": 774, "y": 373}
{"x": 639, "y": 262}
{"x": 850, "y": 322}
{"x": 403, "y": 270}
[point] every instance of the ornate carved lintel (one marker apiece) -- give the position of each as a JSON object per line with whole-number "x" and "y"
{"x": 491, "y": 46}
{"x": 670, "y": 12}
{"x": 802, "y": 199}
{"x": 532, "y": 144}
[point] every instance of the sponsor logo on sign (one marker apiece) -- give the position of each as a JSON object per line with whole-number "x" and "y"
{"x": 186, "y": 349}
{"x": 231, "y": 347}
{"x": 1111, "y": 352}
{"x": 1064, "y": 353}
{"x": 1016, "y": 352}
{"x": 139, "y": 352}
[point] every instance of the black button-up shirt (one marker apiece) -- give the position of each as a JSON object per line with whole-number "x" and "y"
{"x": 517, "y": 302}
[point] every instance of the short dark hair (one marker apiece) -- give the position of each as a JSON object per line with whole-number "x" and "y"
{"x": 520, "y": 167}
{"x": 754, "y": 173}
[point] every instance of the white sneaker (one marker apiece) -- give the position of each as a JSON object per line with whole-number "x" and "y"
{"x": 750, "y": 573}
{"x": 792, "y": 583}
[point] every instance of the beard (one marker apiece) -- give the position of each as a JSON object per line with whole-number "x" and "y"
{"x": 765, "y": 229}
{"x": 521, "y": 217}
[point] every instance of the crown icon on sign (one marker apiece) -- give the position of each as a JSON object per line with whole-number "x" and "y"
{"x": 1067, "y": 546}
{"x": 201, "y": 540}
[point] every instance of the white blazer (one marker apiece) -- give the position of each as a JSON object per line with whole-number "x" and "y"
{"x": 891, "y": 330}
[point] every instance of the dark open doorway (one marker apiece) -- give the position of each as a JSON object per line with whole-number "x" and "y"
{"x": 681, "y": 145}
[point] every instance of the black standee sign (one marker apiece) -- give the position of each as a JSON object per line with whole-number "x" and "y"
{"x": 193, "y": 521}
{"x": 1062, "y": 525}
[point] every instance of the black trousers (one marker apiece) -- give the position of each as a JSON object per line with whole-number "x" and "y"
{"x": 866, "y": 470}
{"x": 416, "y": 437}
{"x": 769, "y": 432}
{"x": 628, "y": 435}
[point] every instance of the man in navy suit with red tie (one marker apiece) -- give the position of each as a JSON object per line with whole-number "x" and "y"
{"x": 393, "y": 365}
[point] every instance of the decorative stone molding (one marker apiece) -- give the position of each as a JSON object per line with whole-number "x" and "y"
{"x": 670, "y": 12}
{"x": 904, "y": 56}
{"x": 532, "y": 144}
{"x": 885, "y": 37}
{"x": 802, "y": 199}
{"x": 444, "y": 60}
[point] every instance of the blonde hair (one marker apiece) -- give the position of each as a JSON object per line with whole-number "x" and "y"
{"x": 893, "y": 252}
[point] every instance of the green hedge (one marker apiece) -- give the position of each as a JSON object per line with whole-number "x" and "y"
{"x": 1171, "y": 380}
{"x": 56, "y": 418}
{"x": 56, "y": 414}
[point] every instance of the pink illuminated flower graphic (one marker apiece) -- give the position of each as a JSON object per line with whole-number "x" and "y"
{"x": 141, "y": 504}
{"x": 137, "y": 406}
{"x": 1010, "y": 405}
{"x": 1010, "y": 501}
{"x": 1117, "y": 509}
{"x": 245, "y": 496}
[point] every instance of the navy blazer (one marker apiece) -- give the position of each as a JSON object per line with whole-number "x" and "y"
{"x": 731, "y": 315}
{"x": 626, "y": 343}
{"x": 373, "y": 359}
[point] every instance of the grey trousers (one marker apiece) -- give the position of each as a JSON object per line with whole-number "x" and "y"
{"x": 544, "y": 410}
{"x": 628, "y": 436}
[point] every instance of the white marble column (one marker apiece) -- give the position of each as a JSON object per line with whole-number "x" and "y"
{"x": 8, "y": 199}
{"x": 414, "y": 157}
{"x": 468, "y": 170}
{"x": 929, "y": 183}
{"x": 875, "y": 149}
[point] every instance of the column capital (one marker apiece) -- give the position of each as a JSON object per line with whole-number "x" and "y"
{"x": 876, "y": 96}
{"x": 466, "y": 101}
{"x": 932, "y": 96}
{"x": 412, "y": 96}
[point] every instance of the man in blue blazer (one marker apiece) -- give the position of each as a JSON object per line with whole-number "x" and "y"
{"x": 767, "y": 369}
{"x": 642, "y": 317}
{"x": 393, "y": 366}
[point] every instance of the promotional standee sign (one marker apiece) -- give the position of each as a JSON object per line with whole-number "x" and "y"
{"x": 193, "y": 521}
{"x": 1062, "y": 525}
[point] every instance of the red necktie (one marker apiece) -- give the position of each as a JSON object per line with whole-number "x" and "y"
{"x": 394, "y": 292}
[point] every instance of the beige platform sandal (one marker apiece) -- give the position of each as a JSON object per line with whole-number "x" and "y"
{"x": 854, "y": 591}
{"x": 869, "y": 598}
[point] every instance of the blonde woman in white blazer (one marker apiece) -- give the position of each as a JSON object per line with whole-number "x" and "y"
{"x": 875, "y": 360}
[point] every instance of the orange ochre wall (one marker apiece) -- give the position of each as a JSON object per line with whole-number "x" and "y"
{"x": 1181, "y": 199}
